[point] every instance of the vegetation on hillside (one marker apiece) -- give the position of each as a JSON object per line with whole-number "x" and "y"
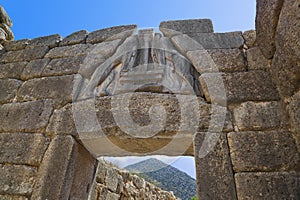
{"x": 166, "y": 177}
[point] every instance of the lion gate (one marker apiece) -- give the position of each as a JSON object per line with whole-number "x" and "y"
{"x": 231, "y": 100}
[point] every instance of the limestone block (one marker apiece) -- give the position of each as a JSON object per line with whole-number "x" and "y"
{"x": 184, "y": 43}
{"x": 267, "y": 15}
{"x": 51, "y": 41}
{"x": 263, "y": 151}
{"x": 68, "y": 51}
{"x": 63, "y": 66}
{"x": 101, "y": 172}
{"x": 113, "y": 33}
{"x": 256, "y": 60}
{"x": 105, "y": 49}
{"x": 268, "y": 185}
{"x": 218, "y": 60}
{"x": 22, "y": 148}
{"x": 112, "y": 179}
{"x": 59, "y": 89}
{"x": 138, "y": 182}
{"x": 228, "y": 60}
{"x": 187, "y": 26}
{"x": 75, "y": 38}
{"x": 286, "y": 73}
{"x": 8, "y": 88}
{"x": 34, "y": 68}
{"x": 16, "y": 45}
{"x": 30, "y": 116}
{"x": 240, "y": 87}
{"x": 56, "y": 172}
{"x": 214, "y": 172}
{"x": 12, "y": 197}
{"x": 259, "y": 116}
{"x": 250, "y": 38}
{"x": 12, "y": 70}
{"x": 17, "y": 179}
{"x": 62, "y": 122}
{"x": 26, "y": 54}
{"x": 102, "y": 194}
{"x": 286, "y": 62}
{"x": 112, "y": 196}
{"x": 230, "y": 40}
{"x": 84, "y": 173}
{"x": 211, "y": 117}
{"x": 139, "y": 112}
{"x": 293, "y": 108}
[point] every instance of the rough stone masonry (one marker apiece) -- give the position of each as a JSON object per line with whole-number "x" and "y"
{"x": 47, "y": 152}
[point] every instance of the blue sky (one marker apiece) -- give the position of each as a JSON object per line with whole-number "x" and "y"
{"x": 35, "y": 18}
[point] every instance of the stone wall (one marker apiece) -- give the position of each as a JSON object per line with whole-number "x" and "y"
{"x": 113, "y": 183}
{"x": 256, "y": 155}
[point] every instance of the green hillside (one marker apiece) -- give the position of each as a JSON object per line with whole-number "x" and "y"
{"x": 166, "y": 177}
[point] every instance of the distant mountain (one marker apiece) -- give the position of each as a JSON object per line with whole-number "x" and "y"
{"x": 166, "y": 177}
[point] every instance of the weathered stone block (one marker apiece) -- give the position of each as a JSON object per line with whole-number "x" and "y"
{"x": 101, "y": 172}
{"x": 263, "y": 151}
{"x": 286, "y": 74}
{"x": 273, "y": 185}
{"x": 75, "y": 38}
{"x": 256, "y": 59}
{"x": 50, "y": 41}
{"x": 34, "y": 69}
{"x": 68, "y": 51}
{"x": 188, "y": 26}
{"x": 112, "y": 196}
{"x": 214, "y": 117}
{"x": 214, "y": 172}
{"x": 112, "y": 179}
{"x": 102, "y": 192}
{"x": 62, "y": 122}
{"x": 17, "y": 179}
{"x": 12, "y": 197}
{"x": 286, "y": 62}
{"x": 267, "y": 15}
{"x": 105, "y": 49}
{"x": 218, "y": 60}
{"x": 230, "y": 40}
{"x": 56, "y": 172}
{"x": 8, "y": 88}
{"x": 63, "y": 66}
{"x": 250, "y": 38}
{"x": 26, "y": 54}
{"x": 16, "y": 45}
{"x": 113, "y": 33}
{"x": 84, "y": 173}
{"x": 59, "y": 89}
{"x": 240, "y": 87}
{"x": 25, "y": 117}
{"x": 259, "y": 116}
{"x": 184, "y": 43}
{"x": 138, "y": 182}
{"x": 293, "y": 108}
{"x": 22, "y": 148}
{"x": 12, "y": 70}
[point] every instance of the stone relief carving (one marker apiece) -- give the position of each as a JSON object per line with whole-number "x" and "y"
{"x": 146, "y": 62}
{"x": 5, "y": 25}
